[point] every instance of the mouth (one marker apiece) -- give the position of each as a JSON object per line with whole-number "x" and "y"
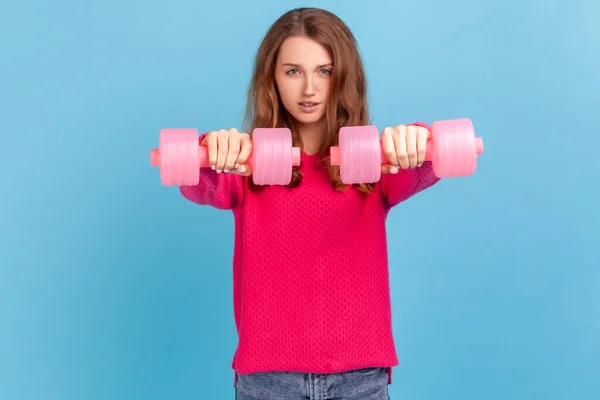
{"x": 309, "y": 103}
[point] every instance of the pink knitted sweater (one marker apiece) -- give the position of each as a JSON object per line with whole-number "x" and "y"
{"x": 310, "y": 269}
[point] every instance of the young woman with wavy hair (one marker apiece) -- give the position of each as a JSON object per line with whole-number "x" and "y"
{"x": 310, "y": 266}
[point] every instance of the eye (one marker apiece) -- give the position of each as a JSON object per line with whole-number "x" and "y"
{"x": 291, "y": 71}
{"x": 326, "y": 71}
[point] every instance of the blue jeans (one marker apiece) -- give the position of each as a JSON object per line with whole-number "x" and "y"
{"x": 361, "y": 384}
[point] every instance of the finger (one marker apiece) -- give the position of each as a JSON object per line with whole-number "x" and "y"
{"x": 211, "y": 141}
{"x": 387, "y": 143}
{"x": 400, "y": 144}
{"x": 232, "y": 154}
{"x": 222, "y": 149}
{"x": 411, "y": 145}
{"x": 422, "y": 139}
{"x": 245, "y": 151}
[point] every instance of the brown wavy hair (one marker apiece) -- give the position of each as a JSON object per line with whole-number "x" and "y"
{"x": 347, "y": 105}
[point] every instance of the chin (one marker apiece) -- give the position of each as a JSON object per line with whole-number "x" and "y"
{"x": 308, "y": 119}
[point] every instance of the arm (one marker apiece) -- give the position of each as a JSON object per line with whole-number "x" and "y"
{"x": 222, "y": 191}
{"x": 406, "y": 183}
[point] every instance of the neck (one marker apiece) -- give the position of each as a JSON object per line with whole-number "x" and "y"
{"x": 311, "y": 136}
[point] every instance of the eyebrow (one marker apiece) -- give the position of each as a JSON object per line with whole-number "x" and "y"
{"x": 296, "y": 65}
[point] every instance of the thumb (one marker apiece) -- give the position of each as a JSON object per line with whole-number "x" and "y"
{"x": 389, "y": 169}
{"x": 244, "y": 170}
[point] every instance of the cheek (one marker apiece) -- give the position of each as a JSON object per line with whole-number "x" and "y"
{"x": 322, "y": 89}
{"x": 288, "y": 92}
{"x": 326, "y": 88}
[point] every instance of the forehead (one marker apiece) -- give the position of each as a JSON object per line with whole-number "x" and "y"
{"x": 304, "y": 51}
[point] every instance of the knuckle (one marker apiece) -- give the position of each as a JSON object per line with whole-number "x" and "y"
{"x": 234, "y": 138}
{"x": 390, "y": 154}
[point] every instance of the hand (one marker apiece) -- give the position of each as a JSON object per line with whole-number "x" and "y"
{"x": 405, "y": 147}
{"x": 228, "y": 150}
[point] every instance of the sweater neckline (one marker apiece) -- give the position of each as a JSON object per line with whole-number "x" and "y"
{"x": 309, "y": 159}
{"x": 314, "y": 155}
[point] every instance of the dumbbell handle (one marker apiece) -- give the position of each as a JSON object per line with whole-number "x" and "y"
{"x": 203, "y": 157}
{"x": 334, "y": 151}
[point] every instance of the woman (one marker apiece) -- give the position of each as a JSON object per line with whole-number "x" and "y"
{"x": 311, "y": 290}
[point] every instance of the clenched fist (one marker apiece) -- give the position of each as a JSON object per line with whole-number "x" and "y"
{"x": 228, "y": 151}
{"x": 404, "y": 146}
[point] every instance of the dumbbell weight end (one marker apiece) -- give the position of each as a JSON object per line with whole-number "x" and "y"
{"x": 179, "y": 156}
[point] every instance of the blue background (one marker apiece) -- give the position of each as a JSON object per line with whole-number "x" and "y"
{"x": 115, "y": 287}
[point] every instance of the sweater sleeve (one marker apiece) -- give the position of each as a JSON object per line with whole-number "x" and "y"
{"x": 222, "y": 191}
{"x": 406, "y": 183}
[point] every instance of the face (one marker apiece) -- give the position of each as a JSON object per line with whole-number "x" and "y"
{"x": 303, "y": 77}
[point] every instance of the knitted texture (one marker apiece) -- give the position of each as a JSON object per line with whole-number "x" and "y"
{"x": 310, "y": 268}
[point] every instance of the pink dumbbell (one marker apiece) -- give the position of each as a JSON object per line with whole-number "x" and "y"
{"x": 453, "y": 149}
{"x": 180, "y": 156}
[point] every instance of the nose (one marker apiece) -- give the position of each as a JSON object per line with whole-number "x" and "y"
{"x": 309, "y": 86}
